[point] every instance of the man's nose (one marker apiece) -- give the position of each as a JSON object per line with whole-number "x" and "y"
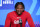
{"x": 19, "y": 9}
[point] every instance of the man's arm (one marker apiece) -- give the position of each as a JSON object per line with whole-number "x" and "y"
{"x": 30, "y": 20}
{"x": 7, "y": 22}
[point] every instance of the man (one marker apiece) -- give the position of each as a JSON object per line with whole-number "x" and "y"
{"x": 12, "y": 19}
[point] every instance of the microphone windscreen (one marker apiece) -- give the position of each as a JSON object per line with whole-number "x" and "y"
{"x": 20, "y": 21}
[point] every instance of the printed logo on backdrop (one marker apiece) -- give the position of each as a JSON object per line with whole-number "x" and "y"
{"x": 6, "y": 4}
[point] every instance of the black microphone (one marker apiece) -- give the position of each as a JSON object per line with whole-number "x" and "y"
{"x": 20, "y": 22}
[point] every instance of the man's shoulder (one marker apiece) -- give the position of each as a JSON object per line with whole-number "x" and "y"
{"x": 11, "y": 12}
{"x": 26, "y": 12}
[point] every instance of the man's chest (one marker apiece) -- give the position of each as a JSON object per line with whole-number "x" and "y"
{"x": 15, "y": 19}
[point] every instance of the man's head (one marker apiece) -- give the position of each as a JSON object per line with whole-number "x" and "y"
{"x": 19, "y": 6}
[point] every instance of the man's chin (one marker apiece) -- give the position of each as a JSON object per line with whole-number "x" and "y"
{"x": 19, "y": 14}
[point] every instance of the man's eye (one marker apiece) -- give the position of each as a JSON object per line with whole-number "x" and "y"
{"x": 21, "y": 8}
{"x": 17, "y": 8}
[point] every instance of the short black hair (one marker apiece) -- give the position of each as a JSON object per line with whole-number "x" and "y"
{"x": 19, "y": 3}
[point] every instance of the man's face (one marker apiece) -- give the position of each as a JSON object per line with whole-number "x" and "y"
{"x": 19, "y": 9}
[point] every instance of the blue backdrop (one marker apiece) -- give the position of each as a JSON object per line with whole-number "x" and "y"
{"x": 31, "y": 6}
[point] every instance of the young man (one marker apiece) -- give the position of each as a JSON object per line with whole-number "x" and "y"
{"x": 12, "y": 19}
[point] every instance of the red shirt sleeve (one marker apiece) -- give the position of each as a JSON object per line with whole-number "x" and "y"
{"x": 30, "y": 20}
{"x": 7, "y": 21}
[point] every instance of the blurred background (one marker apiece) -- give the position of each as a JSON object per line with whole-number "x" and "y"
{"x": 31, "y": 6}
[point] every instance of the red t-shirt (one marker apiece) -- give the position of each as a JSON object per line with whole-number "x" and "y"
{"x": 13, "y": 19}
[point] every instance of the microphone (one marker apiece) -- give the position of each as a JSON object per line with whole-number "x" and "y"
{"x": 20, "y": 22}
